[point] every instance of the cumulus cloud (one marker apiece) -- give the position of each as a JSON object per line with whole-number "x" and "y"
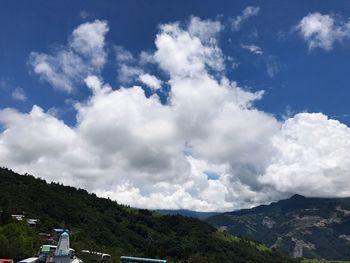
{"x": 182, "y": 53}
{"x": 67, "y": 66}
{"x": 139, "y": 151}
{"x": 33, "y": 135}
{"x": 19, "y": 94}
{"x": 313, "y": 157}
{"x": 253, "y": 49}
{"x": 323, "y": 31}
{"x": 248, "y": 12}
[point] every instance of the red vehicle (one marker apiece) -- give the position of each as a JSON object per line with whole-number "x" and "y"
{"x": 3, "y": 260}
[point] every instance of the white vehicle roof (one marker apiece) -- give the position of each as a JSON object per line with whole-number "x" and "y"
{"x": 29, "y": 260}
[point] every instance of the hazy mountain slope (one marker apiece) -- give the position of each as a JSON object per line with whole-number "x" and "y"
{"x": 189, "y": 213}
{"x": 101, "y": 224}
{"x": 309, "y": 227}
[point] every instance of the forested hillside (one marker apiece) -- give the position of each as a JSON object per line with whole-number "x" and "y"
{"x": 104, "y": 225}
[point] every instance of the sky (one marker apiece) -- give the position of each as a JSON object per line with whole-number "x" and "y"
{"x": 201, "y": 105}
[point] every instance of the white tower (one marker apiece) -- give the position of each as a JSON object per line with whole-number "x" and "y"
{"x": 63, "y": 245}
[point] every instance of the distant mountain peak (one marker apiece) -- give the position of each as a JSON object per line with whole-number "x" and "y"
{"x": 297, "y": 196}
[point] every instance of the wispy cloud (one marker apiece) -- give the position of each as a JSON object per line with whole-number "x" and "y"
{"x": 83, "y": 14}
{"x": 273, "y": 66}
{"x": 4, "y": 84}
{"x": 128, "y": 67}
{"x": 19, "y": 94}
{"x": 248, "y": 12}
{"x": 253, "y": 49}
{"x": 323, "y": 31}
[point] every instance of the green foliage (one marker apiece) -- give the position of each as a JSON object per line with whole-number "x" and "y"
{"x": 17, "y": 241}
{"x": 103, "y": 225}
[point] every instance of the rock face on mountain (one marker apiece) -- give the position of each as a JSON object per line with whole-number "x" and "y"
{"x": 302, "y": 227}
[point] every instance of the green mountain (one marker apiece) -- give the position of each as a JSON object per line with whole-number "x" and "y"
{"x": 302, "y": 227}
{"x": 100, "y": 224}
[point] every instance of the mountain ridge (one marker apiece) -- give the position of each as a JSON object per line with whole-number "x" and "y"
{"x": 186, "y": 212}
{"x": 100, "y": 224}
{"x": 301, "y": 226}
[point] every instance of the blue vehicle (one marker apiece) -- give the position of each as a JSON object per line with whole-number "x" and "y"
{"x": 124, "y": 259}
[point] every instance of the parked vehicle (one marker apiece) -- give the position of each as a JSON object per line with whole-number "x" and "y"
{"x": 4, "y": 260}
{"x": 46, "y": 250}
{"x": 29, "y": 260}
{"x": 93, "y": 256}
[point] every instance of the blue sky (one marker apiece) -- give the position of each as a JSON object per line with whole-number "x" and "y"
{"x": 303, "y": 81}
{"x": 282, "y": 65}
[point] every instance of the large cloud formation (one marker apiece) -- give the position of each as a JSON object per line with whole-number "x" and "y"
{"x": 138, "y": 151}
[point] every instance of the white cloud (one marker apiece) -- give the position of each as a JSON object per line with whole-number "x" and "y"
{"x": 123, "y": 55}
{"x": 322, "y": 31}
{"x": 93, "y": 83}
{"x": 127, "y": 74}
{"x": 19, "y": 94}
{"x": 62, "y": 70}
{"x": 273, "y": 66}
{"x": 151, "y": 81}
{"x": 248, "y": 12}
{"x": 88, "y": 40}
{"x": 83, "y": 14}
{"x": 146, "y": 58}
{"x": 253, "y": 49}
{"x": 4, "y": 85}
{"x": 205, "y": 30}
{"x": 313, "y": 157}
{"x": 128, "y": 68}
{"x": 39, "y": 136}
{"x": 182, "y": 53}
{"x": 67, "y": 66}
{"x": 138, "y": 151}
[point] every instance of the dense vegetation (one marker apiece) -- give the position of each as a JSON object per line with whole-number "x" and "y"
{"x": 310, "y": 227}
{"x": 324, "y": 261}
{"x": 17, "y": 240}
{"x": 103, "y": 225}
